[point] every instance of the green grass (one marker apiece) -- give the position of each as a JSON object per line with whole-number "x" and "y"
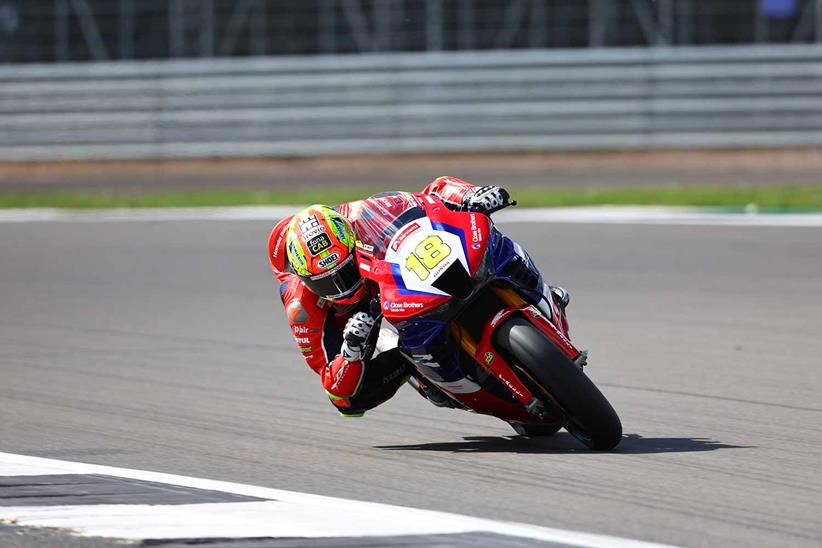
{"x": 773, "y": 198}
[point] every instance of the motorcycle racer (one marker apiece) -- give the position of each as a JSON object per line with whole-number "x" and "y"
{"x": 328, "y": 303}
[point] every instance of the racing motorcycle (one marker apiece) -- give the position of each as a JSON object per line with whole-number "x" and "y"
{"x": 459, "y": 298}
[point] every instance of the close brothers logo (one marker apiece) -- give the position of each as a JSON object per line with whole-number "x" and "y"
{"x": 388, "y": 305}
{"x": 476, "y": 232}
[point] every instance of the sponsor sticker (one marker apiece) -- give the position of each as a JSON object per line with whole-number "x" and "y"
{"x": 489, "y": 358}
{"x": 329, "y": 261}
{"x": 402, "y": 306}
{"x": 313, "y": 233}
{"x": 296, "y": 313}
{"x": 278, "y": 244}
{"x": 306, "y": 350}
{"x": 425, "y": 359}
{"x": 403, "y": 235}
{"x": 510, "y": 386}
{"x": 296, "y": 256}
{"x": 318, "y": 244}
{"x": 561, "y": 335}
{"x": 341, "y": 230}
{"x": 310, "y": 224}
{"x": 476, "y": 232}
{"x": 497, "y": 318}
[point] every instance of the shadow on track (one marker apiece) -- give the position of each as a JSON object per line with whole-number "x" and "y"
{"x": 565, "y": 443}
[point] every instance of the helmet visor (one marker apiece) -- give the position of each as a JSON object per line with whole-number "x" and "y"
{"x": 338, "y": 282}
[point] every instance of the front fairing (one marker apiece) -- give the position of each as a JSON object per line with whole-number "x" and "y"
{"x": 414, "y": 306}
{"x": 448, "y": 337}
{"x": 413, "y": 254}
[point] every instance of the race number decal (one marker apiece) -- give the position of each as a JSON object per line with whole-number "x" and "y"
{"x": 426, "y": 256}
{"x": 420, "y": 253}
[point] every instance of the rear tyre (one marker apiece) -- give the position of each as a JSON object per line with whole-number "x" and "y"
{"x": 590, "y": 417}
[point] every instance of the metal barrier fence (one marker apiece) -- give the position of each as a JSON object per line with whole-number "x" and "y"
{"x": 423, "y": 102}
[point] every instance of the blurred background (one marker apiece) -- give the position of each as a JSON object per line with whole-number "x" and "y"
{"x": 158, "y": 95}
{"x": 102, "y": 30}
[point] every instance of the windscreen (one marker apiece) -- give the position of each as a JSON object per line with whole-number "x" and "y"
{"x": 379, "y": 217}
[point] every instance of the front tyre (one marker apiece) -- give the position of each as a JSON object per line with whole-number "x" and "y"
{"x": 589, "y": 416}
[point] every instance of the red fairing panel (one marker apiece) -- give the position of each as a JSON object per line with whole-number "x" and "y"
{"x": 488, "y": 357}
{"x": 397, "y": 305}
{"x": 474, "y": 228}
{"x": 485, "y": 403}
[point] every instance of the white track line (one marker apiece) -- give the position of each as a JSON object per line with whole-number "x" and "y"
{"x": 287, "y": 514}
{"x": 589, "y": 215}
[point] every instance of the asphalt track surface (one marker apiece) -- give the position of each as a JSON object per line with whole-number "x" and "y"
{"x": 162, "y": 346}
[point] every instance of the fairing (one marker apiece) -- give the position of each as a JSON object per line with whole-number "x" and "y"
{"x": 423, "y": 242}
{"x": 424, "y": 239}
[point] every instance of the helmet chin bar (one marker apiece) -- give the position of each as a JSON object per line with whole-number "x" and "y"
{"x": 353, "y": 297}
{"x": 337, "y": 283}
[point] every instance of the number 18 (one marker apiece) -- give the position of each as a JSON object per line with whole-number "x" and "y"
{"x": 426, "y": 256}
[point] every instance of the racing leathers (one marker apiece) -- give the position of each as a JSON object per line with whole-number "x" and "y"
{"x": 318, "y": 324}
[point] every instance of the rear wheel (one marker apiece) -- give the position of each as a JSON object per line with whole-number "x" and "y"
{"x": 589, "y": 416}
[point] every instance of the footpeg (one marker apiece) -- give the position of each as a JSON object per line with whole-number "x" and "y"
{"x": 535, "y": 407}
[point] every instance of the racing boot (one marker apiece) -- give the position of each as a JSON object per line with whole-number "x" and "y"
{"x": 430, "y": 392}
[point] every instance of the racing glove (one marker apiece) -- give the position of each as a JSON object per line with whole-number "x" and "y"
{"x": 356, "y": 331}
{"x": 486, "y": 199}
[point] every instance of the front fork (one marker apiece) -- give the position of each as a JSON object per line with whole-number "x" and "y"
{"x": 487, "y": 356}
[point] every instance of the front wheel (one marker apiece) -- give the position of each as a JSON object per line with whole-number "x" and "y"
{"x": 589, "y": 416}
